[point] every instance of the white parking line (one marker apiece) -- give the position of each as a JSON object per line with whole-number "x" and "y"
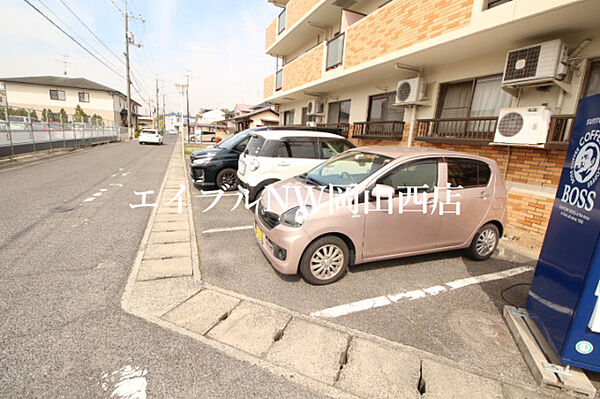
{"x": 386, "y": 300}
{"x": 97, "y": 194}
{"x": 89, "y": 199}
{"x": 228, "y": 229}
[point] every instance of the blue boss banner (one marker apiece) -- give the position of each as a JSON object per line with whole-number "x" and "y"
{"x": 564, "y": 295}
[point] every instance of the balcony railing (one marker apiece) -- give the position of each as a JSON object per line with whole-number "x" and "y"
{"x": 335, "y": 52}
{"x": 560, "y": 129}
{"x": 482, "y": 130}
{"x": 343, "y": 127}
{"x": 281, "y": 21}
{"x": 474, "y": 130}
{"x": 379, "y": 130}
{"x": 279, "y": 80}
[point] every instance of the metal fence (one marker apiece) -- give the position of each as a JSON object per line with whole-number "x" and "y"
{"x": 21, "y": 134}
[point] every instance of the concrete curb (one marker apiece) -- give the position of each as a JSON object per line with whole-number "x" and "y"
{"x": 288, "y": 343}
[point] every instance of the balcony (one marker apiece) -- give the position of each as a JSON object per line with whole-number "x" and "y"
{"x": 428, "y": 37}
{"x": 390, "y": 130}
{"x": 344, "y": 128}
{"x": 457, "y": 130}
{"x": 481, "y": 131}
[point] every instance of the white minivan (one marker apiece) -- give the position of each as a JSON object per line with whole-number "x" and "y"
{"x": 278, "y": 154}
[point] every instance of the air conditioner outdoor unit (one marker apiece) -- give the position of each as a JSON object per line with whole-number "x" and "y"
{"x": 315, "y": 107}
{"x": 540, "y": 62}
{"x": 410, "y": 91}
{"x": 526, "y": 126}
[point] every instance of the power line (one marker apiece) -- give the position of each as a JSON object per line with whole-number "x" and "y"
{"x": 72, "y": 38}
{"x": 116, "y": 6}
{"x": 92, "y": 32}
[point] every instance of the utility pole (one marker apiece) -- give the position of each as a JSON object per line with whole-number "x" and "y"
{"x": 157, "y": 105}
{"x": 164, "y": 113}
{"x": 187, "y": 100}
{"x": 129, "y": 39}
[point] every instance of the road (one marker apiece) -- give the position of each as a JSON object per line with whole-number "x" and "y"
{"x": 68, "y": 240}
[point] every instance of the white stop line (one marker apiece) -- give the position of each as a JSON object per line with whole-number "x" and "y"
{"x": 386, "y": 300}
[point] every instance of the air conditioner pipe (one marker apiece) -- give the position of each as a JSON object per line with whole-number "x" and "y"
{"x": 413, "y": 121}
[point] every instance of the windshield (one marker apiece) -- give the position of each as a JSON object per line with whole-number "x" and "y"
{"x": 346, "y": 169}
{"x": 231, "y": 142}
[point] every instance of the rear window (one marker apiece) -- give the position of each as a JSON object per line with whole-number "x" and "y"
{"x": 333, "y": 147}
{"x": 255, "y": 145}
{"x": 468, "y": 173}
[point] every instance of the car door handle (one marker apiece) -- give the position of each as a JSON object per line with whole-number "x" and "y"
{"x": 483, "y": 195}
{"x": 283, "y": 164}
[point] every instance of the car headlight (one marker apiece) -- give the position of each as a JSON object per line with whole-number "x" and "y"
{"x": 253, "y": 165}
{"x": 201, "y": 161}
{"x": 295, "y": 217}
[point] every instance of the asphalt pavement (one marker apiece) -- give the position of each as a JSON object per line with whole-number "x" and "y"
{"x": 464, "y": 324}
{"x": 68, "y": 240}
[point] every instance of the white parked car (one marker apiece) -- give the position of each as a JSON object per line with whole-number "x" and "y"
{"x": 150, "y": 136}
{"x": 274, "y": 155}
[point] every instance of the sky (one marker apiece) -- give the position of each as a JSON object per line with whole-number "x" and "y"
{"x": 218, "y": 43}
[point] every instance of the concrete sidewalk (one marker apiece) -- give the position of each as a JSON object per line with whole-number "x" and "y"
{"x": 165, "y": 288}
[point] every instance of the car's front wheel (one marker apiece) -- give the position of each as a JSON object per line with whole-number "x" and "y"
{"x": 485, "y": 242}
{"x": 227, "y": 179}
{"x": 325, "y": 261}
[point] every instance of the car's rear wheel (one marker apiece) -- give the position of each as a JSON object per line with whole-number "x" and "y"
{"x": 325, "y": 261}
{"x": 227, "y": 179}
{"x": 485, "y": 242}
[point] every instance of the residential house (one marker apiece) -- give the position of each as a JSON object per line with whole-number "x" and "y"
{"x": 348, "y": 63}
{"x": 56, "y": 93}
{"x": 259, "y": 115}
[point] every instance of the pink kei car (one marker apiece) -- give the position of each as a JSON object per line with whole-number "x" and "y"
{"x": 374, "y": 203}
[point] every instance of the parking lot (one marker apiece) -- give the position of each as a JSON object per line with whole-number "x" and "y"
{"x": 443, "y": 303}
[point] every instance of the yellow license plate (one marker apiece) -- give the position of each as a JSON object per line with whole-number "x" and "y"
{"x": 259, "y": 234}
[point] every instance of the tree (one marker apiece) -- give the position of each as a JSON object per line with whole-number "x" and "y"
{"x": 97, "y": 120}
{"x": 49, "y": 116}
{"x": 225, "y": 110}
{"x": 80, "y": 115}
{"x": 63, "y": 117}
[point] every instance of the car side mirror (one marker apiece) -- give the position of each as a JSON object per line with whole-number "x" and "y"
{"x": 382, "y": 191}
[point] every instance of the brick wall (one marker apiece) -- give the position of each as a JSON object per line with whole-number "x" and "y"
{"x": 271, "y": 34}
{"x": 269, "y": 88}
{"x": 296, "y": 9}
{"x": 306, "y": 68}
{"x": 403, "y": 23}
{"x": 526, "y": 212}
{"x": 529, "y": 213}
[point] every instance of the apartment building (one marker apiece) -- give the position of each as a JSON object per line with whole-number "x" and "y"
{"x": 56, "y": 93}
{"x": 437, "y": 73}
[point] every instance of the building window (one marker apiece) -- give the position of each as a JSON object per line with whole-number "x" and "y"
{"x": 84, "y": 97}
{"x": 494, "y": 3}
{"x": 288, "y": 117}
{"x": 381, "y": 108}
{"x": 477, "y": 98}
{"x": 57, "y": 95}
{"x": 593, "y": 80}
{"x": 335, "y": 52}
{"x": 304, "y": 119}
{"x": 281, "y": 21}
{"x": 339, "y": 112}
